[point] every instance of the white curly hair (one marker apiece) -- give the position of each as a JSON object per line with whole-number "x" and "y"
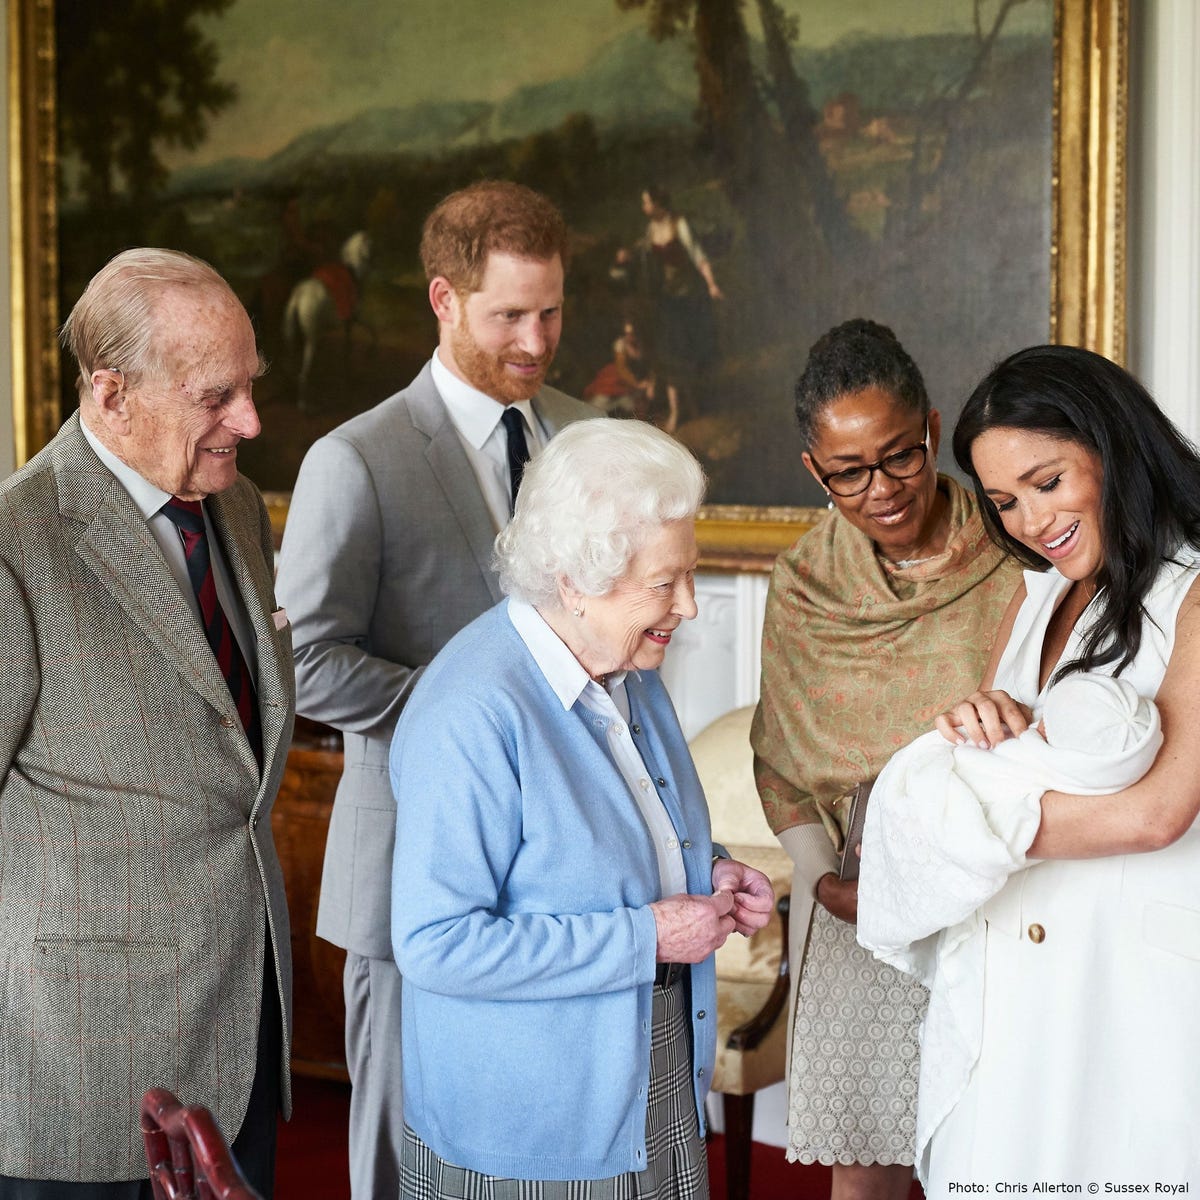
{"x": 587, "y": 504}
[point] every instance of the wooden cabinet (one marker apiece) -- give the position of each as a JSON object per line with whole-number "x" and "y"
{"x": 300, "y": 823}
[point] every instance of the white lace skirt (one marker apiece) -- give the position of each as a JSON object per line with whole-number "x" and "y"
{"x": 852, "y": 1096}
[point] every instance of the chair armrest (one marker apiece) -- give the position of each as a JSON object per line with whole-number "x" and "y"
{"x": 749, "y": 1034}
{"x": 186, "y": 1154}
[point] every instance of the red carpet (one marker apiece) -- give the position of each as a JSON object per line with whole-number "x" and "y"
{"x": 312, "y": 1155}
{"x": 310, "y": 1163}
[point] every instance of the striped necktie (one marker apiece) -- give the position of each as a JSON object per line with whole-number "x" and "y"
{"x": 189, "y": 517}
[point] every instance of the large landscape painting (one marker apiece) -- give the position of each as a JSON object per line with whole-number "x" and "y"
{"x": 814, "y": 159}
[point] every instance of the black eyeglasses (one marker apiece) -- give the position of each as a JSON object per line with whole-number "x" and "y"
{"x": 903, "y": 464}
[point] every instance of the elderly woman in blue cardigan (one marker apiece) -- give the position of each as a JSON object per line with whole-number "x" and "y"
{"x": 556, "y": 895}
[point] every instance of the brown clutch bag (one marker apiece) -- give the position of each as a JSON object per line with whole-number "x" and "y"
{"x": 854, "y": 829}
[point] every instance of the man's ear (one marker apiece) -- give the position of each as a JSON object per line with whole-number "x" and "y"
{"x": 111, "y": 400}
{"x": 444, "y": 300}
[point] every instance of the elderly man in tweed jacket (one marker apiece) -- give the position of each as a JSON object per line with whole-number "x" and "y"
{"x": 144, "y": 722}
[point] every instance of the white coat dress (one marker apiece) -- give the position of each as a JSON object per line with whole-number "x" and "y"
{"x": 1089, "y": 1070}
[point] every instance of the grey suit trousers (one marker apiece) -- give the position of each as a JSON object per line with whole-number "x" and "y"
{"x": 372, "y": 988}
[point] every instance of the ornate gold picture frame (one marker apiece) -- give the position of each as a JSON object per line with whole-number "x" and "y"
{"x": 1087, "y": 235}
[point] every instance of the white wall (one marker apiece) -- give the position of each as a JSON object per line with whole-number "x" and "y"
{"x": 1164, "y": 205}
{"x": 713, "y": 663}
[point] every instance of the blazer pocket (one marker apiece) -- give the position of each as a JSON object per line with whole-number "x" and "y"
{"x": 110, "y": 991}
{"x": 1172, "y": 928}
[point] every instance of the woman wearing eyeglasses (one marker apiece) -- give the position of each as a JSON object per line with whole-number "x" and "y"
{"x": 875, "y": 621}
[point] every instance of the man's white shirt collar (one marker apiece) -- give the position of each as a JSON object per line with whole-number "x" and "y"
{"x": 474, "y": 413}
{"x": 148, "y": 498}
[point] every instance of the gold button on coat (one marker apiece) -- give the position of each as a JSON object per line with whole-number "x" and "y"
{"x": 1037, "y": 934}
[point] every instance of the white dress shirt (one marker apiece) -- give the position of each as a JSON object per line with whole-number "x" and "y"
{"x": 610, "y": 710}
{"x": 476, "y": 418}
{"x": 149, "y": 500}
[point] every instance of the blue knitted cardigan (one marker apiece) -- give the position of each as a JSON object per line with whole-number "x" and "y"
{"x": 522, "y": 877}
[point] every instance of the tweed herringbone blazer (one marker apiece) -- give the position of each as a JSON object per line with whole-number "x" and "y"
{"x": 138, "y": 878}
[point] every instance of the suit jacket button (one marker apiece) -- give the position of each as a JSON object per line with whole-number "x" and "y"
{"x": 226, "y": 722}
{"x": 1037, "y": 935}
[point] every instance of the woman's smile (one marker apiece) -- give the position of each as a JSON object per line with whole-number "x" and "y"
{"x": 1046, "y": 491}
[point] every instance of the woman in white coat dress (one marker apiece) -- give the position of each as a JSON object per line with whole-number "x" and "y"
{"x": 1087, "y": 1068}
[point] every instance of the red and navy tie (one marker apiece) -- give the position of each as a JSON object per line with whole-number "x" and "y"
{"x": 189, "y": 517}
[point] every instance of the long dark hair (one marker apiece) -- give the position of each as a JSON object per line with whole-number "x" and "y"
{"x": 1150, "y": 486}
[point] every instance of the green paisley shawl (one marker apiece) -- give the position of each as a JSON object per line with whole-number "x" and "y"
{"x": 859, "y": 656}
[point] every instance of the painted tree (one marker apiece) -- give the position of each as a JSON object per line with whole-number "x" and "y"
{"x": 133, "y": 79}
{"x": 799, "y": 120}
{"x": 761, "y": 132}
{"x": 940, "y": 122}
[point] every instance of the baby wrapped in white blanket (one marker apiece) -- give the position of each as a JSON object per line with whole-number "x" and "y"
{"x": 946, "y": 827}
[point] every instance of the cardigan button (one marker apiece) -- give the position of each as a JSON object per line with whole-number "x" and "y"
{"x": 636, "y": 728}
{"x": 701, "y": 1015}
{"x": 687, "y": 845}
{"x": 1037, "y": 935}
{"x": 661, "y": 781}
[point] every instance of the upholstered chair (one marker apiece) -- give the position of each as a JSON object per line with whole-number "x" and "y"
{"x": 752, "y": 974}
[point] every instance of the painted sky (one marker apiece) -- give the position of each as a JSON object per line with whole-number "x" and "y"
{"x": 305, "y": 63}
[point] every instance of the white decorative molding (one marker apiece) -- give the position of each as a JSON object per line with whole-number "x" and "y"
{"x": 1164, "y": 296}
{"x": 713, "y": 663}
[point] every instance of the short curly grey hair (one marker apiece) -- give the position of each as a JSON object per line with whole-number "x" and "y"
{"x": 587, "y": 504}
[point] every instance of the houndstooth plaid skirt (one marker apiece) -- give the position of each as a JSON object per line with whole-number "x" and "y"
{"x": 677, "y": 1168}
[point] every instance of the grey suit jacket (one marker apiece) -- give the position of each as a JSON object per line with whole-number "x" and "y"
{"x": 386, "y": 556}
{"x": 138, "y": 876}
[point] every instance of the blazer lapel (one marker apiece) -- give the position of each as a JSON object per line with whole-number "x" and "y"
{"x": 121, "y": 552}
{"x": 452, "y": 469}
{"x": 236, "y": 525}
{"x": 554, "y": 410}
